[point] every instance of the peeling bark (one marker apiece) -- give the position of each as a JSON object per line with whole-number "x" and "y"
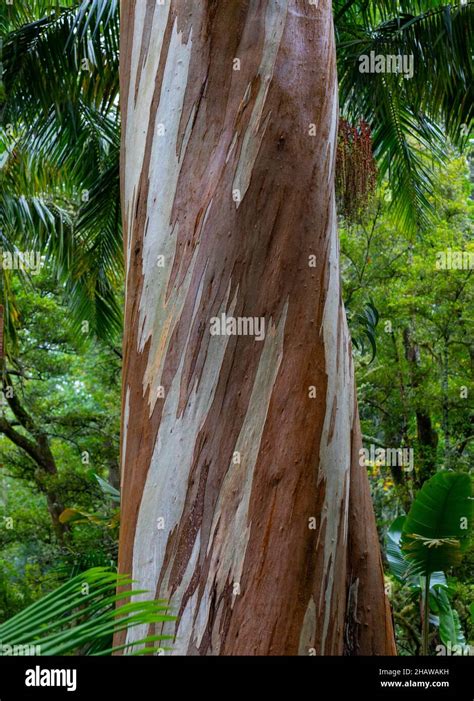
{"x": 243, "y": 500}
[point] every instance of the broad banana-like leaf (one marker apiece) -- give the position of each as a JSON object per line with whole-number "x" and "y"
{"x": 437, "y": 528}
{"x": 401, "y": 568}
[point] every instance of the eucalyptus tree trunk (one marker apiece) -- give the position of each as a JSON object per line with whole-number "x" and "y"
{"x": 244, "y": 502}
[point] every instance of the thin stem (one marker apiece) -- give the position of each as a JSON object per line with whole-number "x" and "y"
{"x": 426, "y": 615}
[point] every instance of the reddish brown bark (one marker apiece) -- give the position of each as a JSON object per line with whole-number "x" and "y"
{"x": 257, "y": 556}
{"x": 365, "y": 572}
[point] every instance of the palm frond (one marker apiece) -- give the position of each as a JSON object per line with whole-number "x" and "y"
{"x": 95, "y": 275}
{"x": 63, "y": 53}
{"x": 61, "y": 79}
{"x": 80, "y": 241}
{"x": 36, "y": 203}
{"x": 10, "y": 316}
{"x": 409, "y": 117}
{"x": 81, "y": 617}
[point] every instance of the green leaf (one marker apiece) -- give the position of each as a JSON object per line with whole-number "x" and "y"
{"x": 437, "y": 527}
{"x": 107, "y": 488}
{"x": 81, "y": 617}
{"x": 401, "y": 568}
{"x": 450, "y": 630}
{"x": 438, "y": 579}
{"x": 396, "y": 560}
{"x": 364, "y": 326}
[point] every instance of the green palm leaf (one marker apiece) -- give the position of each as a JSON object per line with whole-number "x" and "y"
{"x": 82, "y": 616}
{"x": 406, "y": 116}
{"x": 63, "y": 141}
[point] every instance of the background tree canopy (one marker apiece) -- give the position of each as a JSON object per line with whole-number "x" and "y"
{"x": 404, "y": 208}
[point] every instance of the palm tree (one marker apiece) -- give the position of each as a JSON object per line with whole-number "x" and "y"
{"x": 410, "y": 118}
{"x": 57, "y": 111}
{"x": 56, "y": 155}
{"x": 250, "y": 510}
{"x": 60, "y": 149}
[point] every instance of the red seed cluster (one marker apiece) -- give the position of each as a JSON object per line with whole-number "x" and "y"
{"x": 355, "y": 168}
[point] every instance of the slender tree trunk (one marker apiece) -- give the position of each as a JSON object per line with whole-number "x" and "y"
{"x": 243, "y": 498}
{"x": 36, "y": 446}
{"x": 445, "y": 403}
{"x": 427, "y": 438}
